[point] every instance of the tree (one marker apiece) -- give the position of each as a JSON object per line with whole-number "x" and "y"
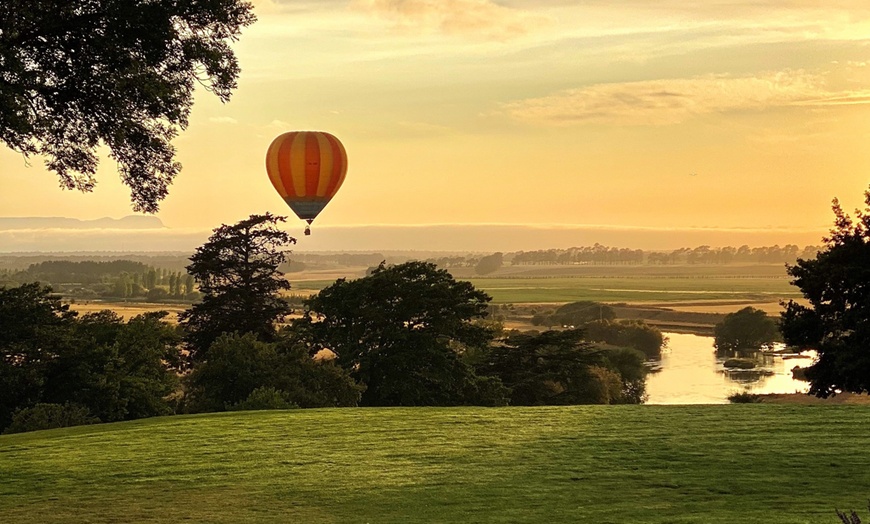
{"x": 237, "y": 272}
{"x": 401, "y": 332}
{"x": 836, "y": 323}
{"x": 118, "y": 370}
{"x": 489, "y": 264}
{"x": 32, "y": 322}
{"x": 78, "y": 73}
{"x": 635, "y": 334}
{"x": 239, "y": 365}
{"x": 747, "y": 329}
{"x": 559, "y": 368}
{"x": 113, "y": 370}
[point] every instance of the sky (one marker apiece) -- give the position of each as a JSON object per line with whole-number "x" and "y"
{"x": 674, "y": 114}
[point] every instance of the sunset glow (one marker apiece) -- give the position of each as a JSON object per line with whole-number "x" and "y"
{"x": 671, "y": 114}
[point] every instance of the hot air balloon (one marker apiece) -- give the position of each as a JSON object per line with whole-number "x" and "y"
{"x": 306, "y": 168}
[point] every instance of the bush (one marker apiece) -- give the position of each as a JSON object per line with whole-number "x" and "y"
{"x": 50, "y": 416}
{"x": 748, "y": 328}
{"x": 627, "y": 333}
{"x": 580, "y": 313}
{"x": 744, "y": 397}
{"x": 739, "y": 363}
{"x": 265, "y": 398}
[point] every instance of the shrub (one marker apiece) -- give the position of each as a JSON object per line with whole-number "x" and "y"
{"x": 265, "y": 398}
{"x": 744, "y": 397}
{"x": 748, "y": 328}
{"x": 739, "y": 363}
{"x": 627, "y": 333}
{"x": 50, "y": 416}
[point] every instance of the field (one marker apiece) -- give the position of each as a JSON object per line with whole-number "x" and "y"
{"x": 618, "y": 284}
{"x": 600, "y": 464}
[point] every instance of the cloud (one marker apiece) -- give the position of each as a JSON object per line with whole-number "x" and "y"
{"x": 279, "y": 124}
{"x": 455, "y": 17}
{"x": 671, "y": 101}
{"x": 223, "y": 120}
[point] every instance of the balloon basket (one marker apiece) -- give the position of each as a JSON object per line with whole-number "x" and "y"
{"x": 307, "y": 231}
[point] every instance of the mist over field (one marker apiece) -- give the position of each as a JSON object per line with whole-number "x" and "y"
{"x": 149, "y": 234}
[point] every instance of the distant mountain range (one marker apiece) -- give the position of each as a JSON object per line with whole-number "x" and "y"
{"x": 128, "y": 222}
{"x": 64, "y": 235}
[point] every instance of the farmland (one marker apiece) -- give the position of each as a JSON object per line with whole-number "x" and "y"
{"x": 606, "y": 464}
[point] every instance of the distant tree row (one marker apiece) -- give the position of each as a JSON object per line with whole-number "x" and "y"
{"x": 406, "y": 335}
{"x": 116, "y": 278}
{"x": 604, "y": 255}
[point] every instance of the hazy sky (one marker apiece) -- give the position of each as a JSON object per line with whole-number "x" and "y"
{"x": 673, "y": 113}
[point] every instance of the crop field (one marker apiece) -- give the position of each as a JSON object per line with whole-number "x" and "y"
{"x": 764, "y": 464}
{"x": 629, "y": 284}
{"x": 635, "y": 290}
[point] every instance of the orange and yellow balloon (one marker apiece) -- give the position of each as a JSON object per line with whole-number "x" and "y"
{"x": 306, "y": 168}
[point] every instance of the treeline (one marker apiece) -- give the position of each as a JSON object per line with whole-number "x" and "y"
{"x": 404, "y": 335}
{"x": 115, "y": 279}
{"x": 604, "y": 255}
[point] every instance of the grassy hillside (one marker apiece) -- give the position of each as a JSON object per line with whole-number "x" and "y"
{"x": 657, "y": 464}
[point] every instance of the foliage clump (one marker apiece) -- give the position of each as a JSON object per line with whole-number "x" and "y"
{"x": 241, "y": 285}
{"x": 116, "y": 370}
{"x": 401, "y": 331}
{"x": 49, "y": 416}
{"x": 238, "y": 365}
{"x": 744, "y": 397}
{"x": 748, "y": 329}
{"x": 264, "y": 398}
{"x": 836, "y": 323}
{"x": 80, "y": 73}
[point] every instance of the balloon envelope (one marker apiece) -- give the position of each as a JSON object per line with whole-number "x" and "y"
{"x": 306, "y": 168}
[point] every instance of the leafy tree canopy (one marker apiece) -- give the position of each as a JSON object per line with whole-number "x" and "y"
{"x": 400, "y": 331}
{"x": 78, "y": 73}
{"x": 747, "y": 329}
{"x": 559, "y": 368}
{"x": 489, "y": 264}
{"x": 113, "y": 370}
{"x": 239, "y": 365}
{"x": 237, "y": 272}
{"x": 836, "y": 323}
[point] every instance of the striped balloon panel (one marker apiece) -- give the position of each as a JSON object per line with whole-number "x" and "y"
{"x": 306, "y": 167}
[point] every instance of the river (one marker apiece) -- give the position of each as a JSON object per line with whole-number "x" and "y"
{"x": 691, "y": 373}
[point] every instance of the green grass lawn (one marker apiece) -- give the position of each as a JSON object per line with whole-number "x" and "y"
{"x": 598, "y": 464}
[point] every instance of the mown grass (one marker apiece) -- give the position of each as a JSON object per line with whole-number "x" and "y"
{"x": 602, "y": 464}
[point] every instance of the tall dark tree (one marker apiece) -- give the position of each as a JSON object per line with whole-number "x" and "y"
{"x": 238, "y": 276}
{"x": 78, "y": 73}
{"x": 33, "y": 323}
{"x": 401, "y": 331}
{"x": 111, "y": 369}
{"x": 836, "y": 283}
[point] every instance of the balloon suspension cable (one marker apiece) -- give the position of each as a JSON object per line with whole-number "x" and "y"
{"x": 308, "y": 228}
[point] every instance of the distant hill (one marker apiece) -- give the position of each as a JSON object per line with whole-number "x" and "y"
{"x": 106, "y": 234}
{"x": 128, "y": 222}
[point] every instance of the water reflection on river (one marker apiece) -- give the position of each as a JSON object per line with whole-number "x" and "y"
{"x": 691, "y": 373}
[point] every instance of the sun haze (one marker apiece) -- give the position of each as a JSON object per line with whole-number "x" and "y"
{"x": 672, "y": 114}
